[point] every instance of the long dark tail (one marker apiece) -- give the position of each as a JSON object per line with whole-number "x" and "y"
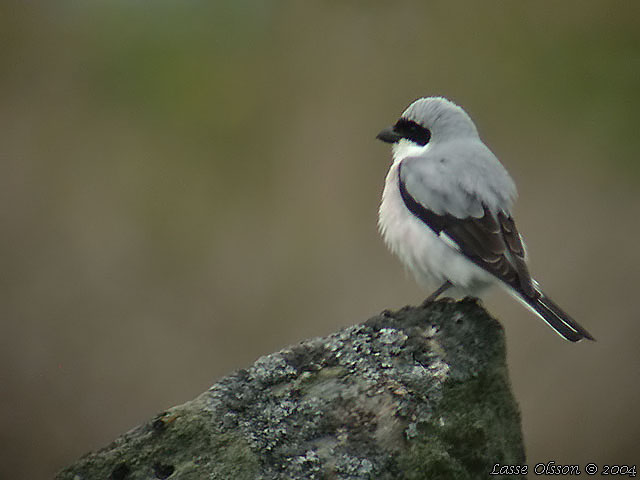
{"x": 555, "y": 317}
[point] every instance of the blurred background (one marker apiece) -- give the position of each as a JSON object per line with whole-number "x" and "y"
{"x": 186, "y": 186}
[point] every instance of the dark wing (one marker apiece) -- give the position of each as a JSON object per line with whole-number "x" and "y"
{"x": 493, "y": 243}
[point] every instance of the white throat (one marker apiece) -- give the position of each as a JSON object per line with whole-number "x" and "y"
{"x": 406, "y": 148}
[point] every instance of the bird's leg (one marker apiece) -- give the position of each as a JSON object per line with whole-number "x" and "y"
{"x": 432, "y": 298}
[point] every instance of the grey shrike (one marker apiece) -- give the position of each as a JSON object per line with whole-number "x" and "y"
{"x": 446, "y": 211}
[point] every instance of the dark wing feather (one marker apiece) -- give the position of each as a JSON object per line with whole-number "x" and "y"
{"x": 491, "y": 243}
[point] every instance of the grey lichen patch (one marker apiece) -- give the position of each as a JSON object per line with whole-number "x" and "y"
{"x": 418, "y": 393}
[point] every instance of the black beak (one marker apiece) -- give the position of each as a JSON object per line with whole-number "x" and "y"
{"x": 389, "y": 135}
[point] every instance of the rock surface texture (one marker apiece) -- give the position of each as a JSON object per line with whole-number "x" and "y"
{"x": 421, "y": 393}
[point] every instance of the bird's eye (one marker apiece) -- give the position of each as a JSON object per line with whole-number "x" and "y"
{"x": 412, "y": 131}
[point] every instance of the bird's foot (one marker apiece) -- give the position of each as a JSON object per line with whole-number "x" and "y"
{"x": 434, "y": 296}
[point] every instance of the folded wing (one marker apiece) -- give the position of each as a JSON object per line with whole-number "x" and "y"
{"x": 488, "y": 238}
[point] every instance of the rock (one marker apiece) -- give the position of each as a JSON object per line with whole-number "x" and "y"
{"x": 421, "y": 393}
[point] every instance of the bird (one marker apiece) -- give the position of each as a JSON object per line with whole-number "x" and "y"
{"x": 446, "y": 212}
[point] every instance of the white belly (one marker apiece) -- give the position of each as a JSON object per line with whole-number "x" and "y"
{"x": 430, "y": 259}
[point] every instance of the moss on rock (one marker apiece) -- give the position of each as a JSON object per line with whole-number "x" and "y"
{"x": 421, "y": 393}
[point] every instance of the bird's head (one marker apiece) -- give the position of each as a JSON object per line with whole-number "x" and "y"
{"x": 427, "y": 121}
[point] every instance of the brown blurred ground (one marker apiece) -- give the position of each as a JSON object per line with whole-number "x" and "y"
{"x": 185, "y": 188}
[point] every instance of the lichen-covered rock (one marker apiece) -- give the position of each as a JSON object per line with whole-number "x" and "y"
{"x": 421, "y": 393}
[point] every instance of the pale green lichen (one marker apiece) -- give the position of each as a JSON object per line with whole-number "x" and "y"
{"x": 421, "y": 393}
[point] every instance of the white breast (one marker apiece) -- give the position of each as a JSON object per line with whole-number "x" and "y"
{"x": 431, "y": 259}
